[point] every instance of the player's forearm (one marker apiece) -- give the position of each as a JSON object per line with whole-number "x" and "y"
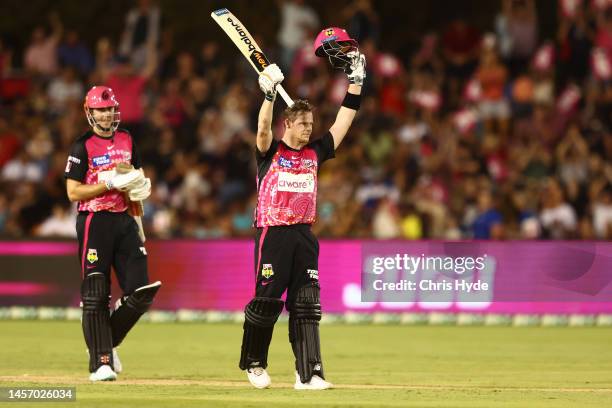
{"x": 354, "y": 89}
{"x": 346, "y": 114}
{"x": 84, "y": 192}
{"x": 264, "y": 125}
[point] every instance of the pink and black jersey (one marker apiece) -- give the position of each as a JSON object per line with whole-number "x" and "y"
{"x": 287, "y": 182}
{"x": 92, "y": 160}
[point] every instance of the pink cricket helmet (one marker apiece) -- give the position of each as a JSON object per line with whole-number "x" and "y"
{"x": 100, "y": 97}
{"x": 335, "y": 43}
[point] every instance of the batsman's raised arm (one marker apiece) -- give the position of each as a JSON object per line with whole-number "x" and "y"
{"x": 356, "y": 74}
{"x": 269, "y": 78}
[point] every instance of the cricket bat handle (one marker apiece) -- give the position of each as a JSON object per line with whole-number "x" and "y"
{"x": 284, "y": 94}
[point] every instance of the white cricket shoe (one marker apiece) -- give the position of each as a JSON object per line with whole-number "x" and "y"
{"x": 315, "y": 383}
{"x": 116, "y": 362}
{"x": 103, "y": 373}
{"x": 259, "y": 377}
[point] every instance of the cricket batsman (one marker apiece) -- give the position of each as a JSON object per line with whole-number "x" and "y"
{"x": 286, "y": 251}
{"x": 103, "y": 174}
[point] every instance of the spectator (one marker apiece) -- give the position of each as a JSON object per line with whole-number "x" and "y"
{"x": 489, "y": 222}
{"x": 140, "y": 36}
{"x": 40, "y": 57}
{"x": 129, "y": 87}
{"x": 575, "y": 38}
{"x": 297, "y": 19}
{"x": 72, "y": 52}
{"x": 64, "y": 89}
{"x": 363, "y": 21}
{"x": 602, "y": 214}
{"x": 60, "y": 224}
{"x": 558, "y": 218}
{"x": 518, "y": 33}
{"x": 22, "y": 168}
{"x": 494, "y": 107}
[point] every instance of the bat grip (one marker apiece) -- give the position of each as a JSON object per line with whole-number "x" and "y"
{"x": 284, "y": 94}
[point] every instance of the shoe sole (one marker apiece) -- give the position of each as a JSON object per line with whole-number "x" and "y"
{"x": 103, "y": 379}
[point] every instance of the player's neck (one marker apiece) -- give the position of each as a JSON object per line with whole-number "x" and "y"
{"x": 101, "y": 133}
{"x": 292, "y": 142}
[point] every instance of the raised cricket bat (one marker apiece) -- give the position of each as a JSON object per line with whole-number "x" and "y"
{"x": 246, "y": 44}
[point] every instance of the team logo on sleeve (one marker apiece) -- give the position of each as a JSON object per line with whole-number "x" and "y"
{"x": 101, "y": 160}
{"x": 266, "y": 271}
{"x": 92, "y": 255}
{"x": 72, "y": 159}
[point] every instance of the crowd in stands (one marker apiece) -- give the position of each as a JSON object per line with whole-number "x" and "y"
{"x": 486, "y": 135}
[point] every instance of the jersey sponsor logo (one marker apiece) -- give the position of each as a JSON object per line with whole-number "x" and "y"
{"x": 68, "y": 166}
{"x": 308, "y": 163}
{"x": 283, "y": 162}
{"x": 101, "y": 160}
{"x": 295, "y": 183}
{"x": 92, "y": 255}
{"x": 267, "y": 271}
{"x": 313, "y": 274}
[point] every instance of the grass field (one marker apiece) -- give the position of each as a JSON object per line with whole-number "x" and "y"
{"x": 195, "y": 365}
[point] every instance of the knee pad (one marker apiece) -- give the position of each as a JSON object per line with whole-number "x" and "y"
{"x": 130, "y": 308}
{"x": 95, "y": 292}
{"x": 260, "y": 315}
{"x": 263, "y": 312}
{"x": 142, "y": 298}
{"x": 307, "y": 303}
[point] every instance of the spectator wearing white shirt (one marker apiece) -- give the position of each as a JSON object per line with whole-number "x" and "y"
{"x": 557, "y": 217}
{"x": 602, "y": 214}
{"x": 65, "y": 89}
{"x": 22, "y": 168}
{"x": 60, "y": 223}
{"x": 297, "y": 19}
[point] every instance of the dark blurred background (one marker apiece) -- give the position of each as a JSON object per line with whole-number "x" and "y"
{"x": 480, "y": 119}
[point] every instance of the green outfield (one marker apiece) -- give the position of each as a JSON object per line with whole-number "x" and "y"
{"x": 195, "y": 365}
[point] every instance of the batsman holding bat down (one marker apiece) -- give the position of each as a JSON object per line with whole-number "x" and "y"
{"x": 286, "y": 251}
{"x": 103, "y": 173}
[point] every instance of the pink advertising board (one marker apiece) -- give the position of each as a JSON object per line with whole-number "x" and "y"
{"x": 522, "y": 277}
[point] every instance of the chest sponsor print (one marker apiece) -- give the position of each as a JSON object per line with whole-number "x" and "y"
{"x": 101, "y": 160}
{"x": 296, "y": 183}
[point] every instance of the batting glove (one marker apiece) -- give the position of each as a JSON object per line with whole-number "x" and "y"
{"x": 125, "y": 181}
{"x": 141, "y": 192}
{"x": 268, "y": 79}
{"x": 357, "y": 71}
